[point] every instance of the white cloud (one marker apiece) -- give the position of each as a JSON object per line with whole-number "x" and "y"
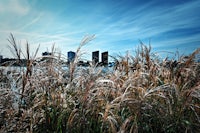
{"x": 35, "y": 20}
{"x": 150, "y": 23}
{"x": 115, "y": 30}
{"x": 19, "y": 7}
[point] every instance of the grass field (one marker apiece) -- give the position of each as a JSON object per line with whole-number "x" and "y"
{"x": 141, "y": 94}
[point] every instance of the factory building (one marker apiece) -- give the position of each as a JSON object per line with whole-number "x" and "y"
{"x": 104, "y": 58}
{"x": 95, "y": 57}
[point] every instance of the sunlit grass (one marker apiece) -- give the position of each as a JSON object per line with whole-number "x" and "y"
{"x": 141, "y": 94}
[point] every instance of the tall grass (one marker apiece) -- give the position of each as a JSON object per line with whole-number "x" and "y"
{"x": 141, "y": 94}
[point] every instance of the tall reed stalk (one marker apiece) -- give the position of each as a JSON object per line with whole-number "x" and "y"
{"x": 142, "y": 93}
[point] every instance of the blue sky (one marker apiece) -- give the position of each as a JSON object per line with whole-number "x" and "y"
{"x": 169, "y": 25}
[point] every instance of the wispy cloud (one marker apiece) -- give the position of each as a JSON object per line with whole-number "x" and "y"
{"x": 154, "y": 23}
{"x": 118, "y": 25}
{"x": 19, "y": 7}
{"x": 35, "y": 20}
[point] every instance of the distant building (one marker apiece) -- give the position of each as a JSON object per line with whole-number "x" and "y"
{"x": 46, "y": 53}
{"x": 95, "y": 57}
{"x": 71, "y": 56}
{"x": 104, "y": 58}
{"x": 1, "y": 57}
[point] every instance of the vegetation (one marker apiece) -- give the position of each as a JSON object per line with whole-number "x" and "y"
{"x": 141, "y": 94}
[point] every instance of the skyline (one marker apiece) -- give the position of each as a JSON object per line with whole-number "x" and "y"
{"x": 117, "y": 26}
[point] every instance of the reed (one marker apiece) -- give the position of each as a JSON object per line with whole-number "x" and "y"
{"x": 141, "y": 94}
